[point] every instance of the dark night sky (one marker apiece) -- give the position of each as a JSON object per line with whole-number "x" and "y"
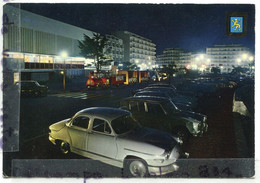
{"x": 190, "y": 27}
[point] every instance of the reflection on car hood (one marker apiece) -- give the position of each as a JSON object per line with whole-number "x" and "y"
{"x": 59, "y": 125}
{"x": 151, "y": 136}
{"x": 193, "y": 115}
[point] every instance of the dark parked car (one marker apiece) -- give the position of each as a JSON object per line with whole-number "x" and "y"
{"x": 161, "y": 113}
{"x": 172, "y": 93}
{"x": 180, "y": 105}
{"x": 162, "y": 85}
{"x": 33, "y": 88}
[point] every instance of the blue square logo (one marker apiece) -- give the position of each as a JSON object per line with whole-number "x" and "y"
{"x": 236, "y": 24}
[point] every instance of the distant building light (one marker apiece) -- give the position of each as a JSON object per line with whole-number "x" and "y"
{"x": 136, "y": 61}
{"x": 244, "y": 56}
{"x": 194, "y": 66}
{"x": 238, "y": 60}
{"x": 201, "y": 56}
{"x": 120, "y": 65}
{"x": 251, "y": 58}
{"x": 188, "y": 66}
{"x": 208, "y": 60}
{"x": 64, "y": 54}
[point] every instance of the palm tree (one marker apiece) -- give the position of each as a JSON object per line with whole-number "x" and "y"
{"x": 93, "y": 48}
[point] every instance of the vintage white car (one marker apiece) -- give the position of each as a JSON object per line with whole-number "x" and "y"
{"x": 112, "y": 136}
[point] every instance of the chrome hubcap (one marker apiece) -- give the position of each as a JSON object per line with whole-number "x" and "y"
{"x": 64, "y": 147}
{"x": 137, "y": 168}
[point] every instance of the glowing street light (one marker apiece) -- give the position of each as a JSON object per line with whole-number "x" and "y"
{"x": 244, "y": 56}
{"x": 136, "y": 61}
{"x": 238, "y": 60}
{"x": 208, "y": 60}
{"x": 201, "y": 56}
{"x": 251, "y": 58}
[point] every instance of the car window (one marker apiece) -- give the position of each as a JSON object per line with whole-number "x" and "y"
{"x": 24, "y": 84}
{"x": 141, "y": 106}
{"x": 100, "y": 125}
{"x": 31, "y": 84}
{"x": 133, "y": 106}
{"x": 124, "y": 124}
{"x": 81, "y": 121}
{"x": 155, "y": 109}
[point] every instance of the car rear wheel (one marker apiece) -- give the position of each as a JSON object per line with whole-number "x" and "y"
{"x": 64, "y": 147}
{"x": 135, "y": 168}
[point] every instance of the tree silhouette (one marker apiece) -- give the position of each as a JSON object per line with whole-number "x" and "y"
{"x": 94, "y": 48}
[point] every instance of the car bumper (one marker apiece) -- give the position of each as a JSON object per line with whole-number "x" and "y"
{"x": 52, "y": 139}
{"x": 203, "y": 130}
{"x": 162, "y": 170}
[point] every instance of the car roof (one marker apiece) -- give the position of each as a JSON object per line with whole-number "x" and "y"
{"x": 148, "y": 98}
{"x": 28, "y": 81}
{"x": 104, "y": 112}
{"x": 161, "y": 85}
{"x": 151, "y": 91}
{"x": 158, "y": 88}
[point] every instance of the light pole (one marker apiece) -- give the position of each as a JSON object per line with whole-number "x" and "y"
{"x": 64, "y": 56}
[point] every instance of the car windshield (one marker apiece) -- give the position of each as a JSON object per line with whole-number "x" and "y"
{"x": 170, "y": 107}
{"x": 124, "y": 124}
{"x": 37, "y": 84}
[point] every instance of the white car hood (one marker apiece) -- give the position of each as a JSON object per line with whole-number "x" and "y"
{"x": 59, "y": 125}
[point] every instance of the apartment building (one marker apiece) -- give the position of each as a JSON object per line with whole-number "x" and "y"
{"x": 229, "y": 56}
{"x": 115, "y": 48}
{"x": 173, "y": 56}
{"x": 137, "y": 49}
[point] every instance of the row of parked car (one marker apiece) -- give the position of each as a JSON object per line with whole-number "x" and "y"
{"x": 143, "y": 136}
{"x": 32, "y": 88}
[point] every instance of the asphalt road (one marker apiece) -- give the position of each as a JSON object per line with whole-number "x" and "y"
{"x": 36, "y": 114}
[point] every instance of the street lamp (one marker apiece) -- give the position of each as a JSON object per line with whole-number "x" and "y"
{"x": 64, "y": 55}
{"x": 251, "y": 58}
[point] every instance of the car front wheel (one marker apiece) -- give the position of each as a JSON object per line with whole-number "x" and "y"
{"x": 135, "y": 168}
{"x": 64, "y": 147}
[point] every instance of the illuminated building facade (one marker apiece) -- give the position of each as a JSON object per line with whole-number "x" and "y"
{"x": 174, "y": 56}
{"x": 226, "y": 57}
{"x": 115, "y": 48}
{"x": 137, "y": 49}
{"x": 42, "y": 44}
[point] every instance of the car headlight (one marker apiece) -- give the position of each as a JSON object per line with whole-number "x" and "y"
{"x": 166, "y": 154}
{"x": 177, "y": 139}
{"x": 196, "y": 126}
